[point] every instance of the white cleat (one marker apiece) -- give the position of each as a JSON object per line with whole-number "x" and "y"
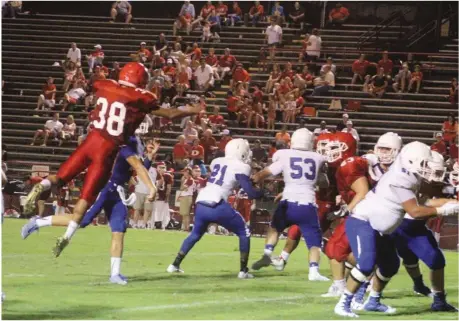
{"x": 278, "y": 263}
{"x": 244, "y": 275}
{"x": 118, "y": 279}
{"x": 173, "y": 269}
{"x": 317, "y": 277}
{"x": 358, "y": 306}
{"x": 343, "y": 307}
{"x": 334, "y": 291}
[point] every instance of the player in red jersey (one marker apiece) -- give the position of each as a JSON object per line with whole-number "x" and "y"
{"x": 121, "y": 108}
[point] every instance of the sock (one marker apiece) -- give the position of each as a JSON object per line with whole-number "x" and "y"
{"x": 375, "y": 294}
{"x": 418, "y": 281}
{"x": 46, "y": 184}
{"x": 269, "y": 249}
{"x": 45, "y": 221}
{"x": 313, "y": 267}
{"x": 115, "y": 265}
{"x": 340, "y": 283}
{"x": 179, "y": 258}
{"x": 284, "y": 255}
{"x": 244, "y": 262}
{"x": 71, "y": 229}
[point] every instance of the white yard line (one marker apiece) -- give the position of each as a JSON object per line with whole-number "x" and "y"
{"x": 15, "y": 275}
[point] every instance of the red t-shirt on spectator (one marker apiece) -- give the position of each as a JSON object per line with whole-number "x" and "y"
{"x": 211, "y": 60}
{"x": 306, "y": 76}
{"x": 257, "y": 96}
{"x": 417, "y": 75}
{"x": 217, "y": 119}
{"x": 197, "y": 152}
{"x": 388, "y": 65}
{"x": 453, "y": 151}
{"x": 206, "y": 10}
{"x": 339, "y": 13}
{"x": 241, "y": 75}
{"x": 222, "y": 9}
{"x": 222, "y": 143}
{"x": 181, "y": 150}
{"x": 227, "y": 61}
{"x": 232, "y": 104}
{"x": 300, "y": 102}
{"x": 439, "y": 147}
{"x": 49, "y": 88}
{"x": 359, "y": 67}
{"x": 288, "y": 73}
{"x": 196, "y": 54}
{"x": 169, "y": 71}
{"x": 97, "y": 53}
{"x": 257, "y": 9}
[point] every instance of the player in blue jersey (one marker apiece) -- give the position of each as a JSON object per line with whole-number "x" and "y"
{"x": 212, "y": 205}
{"x": 112, "y": 200}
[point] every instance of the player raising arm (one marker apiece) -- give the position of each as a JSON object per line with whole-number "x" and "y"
{"x": 212, "y": 205}
{"x": 301, "y": 168}
{"x": 121, "y": 108}
{"x": 381, "y": 213}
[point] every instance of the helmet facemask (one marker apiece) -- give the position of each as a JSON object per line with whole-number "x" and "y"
{"x": 386, "y": 155}
{"x": 431, "y": 171}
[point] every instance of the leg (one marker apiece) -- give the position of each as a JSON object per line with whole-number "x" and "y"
{"x": 40, "y": 102}
{"x": 38, "y": 133}
{"x": 293, "y": 239}
{"x": 41, "y": 207}
{"x": 113, "y": 14}
{"x": 45, "y": 138}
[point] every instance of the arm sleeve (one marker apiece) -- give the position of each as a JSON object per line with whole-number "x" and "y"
{"x": 127, "y": 151}
{"x": 275, "y": 168}
{"x": 247, "y": 186}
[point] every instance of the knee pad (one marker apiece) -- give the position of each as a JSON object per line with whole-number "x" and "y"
{"x": 385, "y": 271}
{"x": 435, "y": 260}
{"x": 358, "y": 275}
{"x": 348, "y": 265}
{"x": 294, "y": 233}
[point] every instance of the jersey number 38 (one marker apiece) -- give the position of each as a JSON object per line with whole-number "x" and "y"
{"x": 114, "y": 121}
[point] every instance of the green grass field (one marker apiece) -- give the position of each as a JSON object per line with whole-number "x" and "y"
{"x": 75, "y": 286}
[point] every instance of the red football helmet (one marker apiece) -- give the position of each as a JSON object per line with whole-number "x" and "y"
{"x": 336, "y": 147}
{"x": 134, "y": 74}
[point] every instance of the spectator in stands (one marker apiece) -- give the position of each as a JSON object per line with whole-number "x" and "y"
{"x": 209, "y": 144}
{"x": 216, "y": 121}
{"x": 324, "y": 83}
{"x": 338, "y": 15}
{"x": 255, "y": 14}
{"x": 215, "y": 25}
{"x": 311, "y": 46}
{"x": 212, "y": 60}
{"x": 342, "y": 125}
{"x": 185, "y": 18}
{"x": 411, "y": 61}
{"x": 240, "y": 75}
{"x": 259, "y": 154}
{"x": 222, "y": 11}
{"x": 123, "y": 10}
{"x": 74, "y": 54}
{"x": 96, "y": 57}
{"x": 453, "y": 150}
{"x": 296, "y": 17}
{"x": 226, "y": 137}
{"x": 48, "y": 95}
{"x": 168, "y": 91}
{"x": 226, "y": 64}
{"x": 75, "y": 96}
{"x": 402, "y": 79}
{"x": 359, "y": 68}
{"x": 274, "y": 77}
{"x": 115, "y": 71}
{"x": 283, "y": 137}
{"x": 160, "y": 44}
{"x": 182, "y": 82}
{"x": 371, "y": 70}
{"x": 68, "y": 131}
{"x": 195, "y": 53}
{"x": 203, "y": 14}
{"x": 181, "y": 153}
{"x": 190, "y": 133}
{"x": 52, "y": 128}
{"x": 197, "y": 155}
{"x": 157, "y": 62}
{"x": 453, "y": 91}
{"x": 187, "y": 186}
{"x": 449, "y": 128}
{"x": 331, "y": 64}
{"x": 232, "y": 102}
{"x": 169, "y": 71}
{"x": 387, "y": 65}
{"x": 176, "y": 53}
{"x": 439, "y": 145}
{"x": 351, "y": 130}
{"x": 416, "y": 78}
{"x": 204, "y": 76}
{"x": 277, "y": 11}
{"x": 273, "y": 36}
{"x": 142, "y": 55}
{"x": 236, "y": 14}
{"x": 322, "y": 129}
{"x": 378, "y": 84}
{"x": 70, "y": 70}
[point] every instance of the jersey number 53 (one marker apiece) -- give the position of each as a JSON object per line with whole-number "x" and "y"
{"x": 302, "y": 168}
{"x": 113, "y": 123}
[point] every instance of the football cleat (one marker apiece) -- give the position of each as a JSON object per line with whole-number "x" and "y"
{"x": 118, "y": 279}
{"x": 278, "y": 263}
{"x": 316, "y": 276}
{"x": 343, "y": 307}
{"x": 422, "y": 290}
{"x": 30, "y": 227}
{"x": 359, "y": 297}
{"x": 31, "y": 199}
{"x": 244, "y": 275}
{"x": 263, "y": 262}
{"x": 333, "y": 291}
{"x": 440, "y": 305}
{"x": 373, "y": 304}
{"x": 61, "y": 244}
{"x": 173, "y": 269}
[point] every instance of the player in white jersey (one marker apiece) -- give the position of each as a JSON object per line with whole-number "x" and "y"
{"x": 212, "y": 205}
{"x": 301, "y": 168}
{"x": 380, "y": 214}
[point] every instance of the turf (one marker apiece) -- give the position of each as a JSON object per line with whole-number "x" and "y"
{"x": 75, "y": 286}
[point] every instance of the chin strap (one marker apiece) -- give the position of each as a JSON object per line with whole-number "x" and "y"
{"x": 130, "y": 200}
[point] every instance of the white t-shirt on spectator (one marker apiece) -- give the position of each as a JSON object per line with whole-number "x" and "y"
{"x": 190, "y": 132}
{"x": 353, "y": 132}
{"x": 332, "y": 68}
{"x": 330, "y": 78}
{"x": 274, "y": 33}
{"x": 77, "y": 93}
{"x": 54, "y": 125}
{"x": 70, "y": 128}
{"x": 141, "y": 187}
{"x": 314, "y": 48}
{"x": 319, "y": 131}
{"x": 74, "y": 55}
{"x": 202, "y": 75}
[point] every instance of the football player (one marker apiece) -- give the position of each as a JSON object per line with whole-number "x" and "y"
{"x": 212, "y": 205}
{"x": 379, "y": 214}
{"x": 302, "y": 169}
{"x": 112, "y": 200}
{"x": 121, "y": 107}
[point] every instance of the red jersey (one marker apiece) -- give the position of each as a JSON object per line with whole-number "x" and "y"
{"x": 347, "y": 173}
{"x": 232, "y": 104}
{"x": 222, "y": 9}
{"x": 227, "y": 61}
{"x": 359, "y": 67}
{"x": 328, "y": 194}
{"x": 48, "y": 88}
{"x": 387, "y": 65}
{"x": 211, "y": 60}
{"x": 439, "y": 147}
{"x": 217, "y": 119}
{"x": 197, "y": 152}
{"x": 206, "y": 10}
{"x": 120, "y": 110}
{"x": 257, "y": 96}
{"x": 161, "y": 190}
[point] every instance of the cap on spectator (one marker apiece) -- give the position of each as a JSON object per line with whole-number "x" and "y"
{"x": 349, "y": 122}
{"x": 225, "y": 132}
{"x": 143, "y": 43}
{"x": 169, "y": 61}
{"x": 98, "y": 46}
{"x": 346, "y": 115}
{"x": 323, "y": 122}
{"x": 439, "y": 134}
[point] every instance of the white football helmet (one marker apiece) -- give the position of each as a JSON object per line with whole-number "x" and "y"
{"x": 388, "y": 147}
{"x": 238, "y": 149}
{"x": 416, "y": 157}
{"x": 454, "y": 175}
{"x": 302, "y": 139}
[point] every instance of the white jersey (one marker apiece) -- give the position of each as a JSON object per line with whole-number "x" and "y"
{"x": 382, "y": 206}
{"x": 222, "y": 179}
{"x": 300, "y": 170}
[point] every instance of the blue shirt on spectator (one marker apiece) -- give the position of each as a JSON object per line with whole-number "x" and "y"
{"x": 188, "y": 8}
{"x": 279, "y": 8}
{"x": 215, "y": 20}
